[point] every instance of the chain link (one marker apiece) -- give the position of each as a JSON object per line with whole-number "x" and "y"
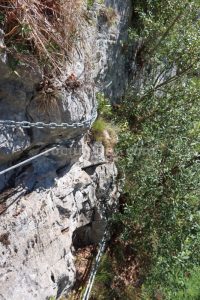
{"x": 42, "y": 125}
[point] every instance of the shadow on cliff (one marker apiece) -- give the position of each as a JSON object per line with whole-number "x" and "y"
{"x": 120, "y": 53}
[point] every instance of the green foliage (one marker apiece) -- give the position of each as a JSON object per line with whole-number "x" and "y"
{"x": 25, "y": 30}
{"x": 103, "y": 279}
{"x": 109, "y": 282}
{"x": 105, "y": 271}
{"x": 98, "y": 128}
{"x": 162, "y": 183}
{"x": 103, "y": 128}
{"x": 169, "y": 32}
{"x": 105, "y": 132}
{"x": 104, "y": 107}
{"x": 159, "y": 152}
{"x": 2, "y": 18}
{"x": 191, "y": 287}
{"x": 159, "y": 144}
{"x": 90, "y": 3}
{"x": 52, "y": 298}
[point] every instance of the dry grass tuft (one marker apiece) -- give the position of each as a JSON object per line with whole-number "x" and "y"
{"x": 48, "y": 28}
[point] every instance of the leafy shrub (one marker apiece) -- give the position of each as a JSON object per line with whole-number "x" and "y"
{"x": 98, "y": 128}
{"x": 103, "y": 129}
{"x": 90, "y": 3}
{"x": 191, "y": 288}
{"x": 104, "y": 107}
{"x": 159, "y": 145}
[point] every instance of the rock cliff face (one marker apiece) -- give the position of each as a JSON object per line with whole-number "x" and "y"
{"x": 58, "y": 202}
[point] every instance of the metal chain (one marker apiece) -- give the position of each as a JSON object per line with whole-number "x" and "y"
{"x": 41, "y": 125}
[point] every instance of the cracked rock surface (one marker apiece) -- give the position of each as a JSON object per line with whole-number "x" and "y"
{"x": 59, "y": 202}
{"x": 36, "y": 249}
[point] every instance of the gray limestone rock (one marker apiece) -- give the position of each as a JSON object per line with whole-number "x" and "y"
{"x": 36, "y": 249}
{"x": 59, "y": 202}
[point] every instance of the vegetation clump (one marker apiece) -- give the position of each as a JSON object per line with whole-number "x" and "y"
{"x": 45, "y": 28}
{"x": 103, "y": 129}
{"x": 158, "y": 151}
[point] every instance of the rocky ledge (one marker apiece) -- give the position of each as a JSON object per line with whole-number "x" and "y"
{"x": 60, "y": 201}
